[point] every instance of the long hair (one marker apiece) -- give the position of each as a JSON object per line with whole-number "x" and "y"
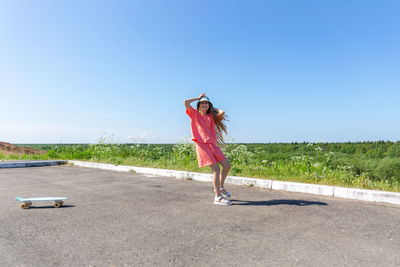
{"x": 220, "y": 126}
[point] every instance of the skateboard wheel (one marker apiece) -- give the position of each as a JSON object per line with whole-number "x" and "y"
{"x": 61, "y": 202}
{"x": 57, "y": 205}
{"x": 23, "y": 206}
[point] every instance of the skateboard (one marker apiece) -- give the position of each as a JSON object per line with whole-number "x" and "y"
{"x": 58, "y": 201}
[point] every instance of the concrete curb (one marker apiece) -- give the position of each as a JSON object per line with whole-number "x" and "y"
{"x": 31, "y": 163}
{"x": 368, "y": 195}
{"x": 323, "y": 190}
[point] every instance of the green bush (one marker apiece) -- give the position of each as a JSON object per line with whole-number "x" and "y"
{"x": 394, "y": 151}
{"x": 389, "y": 169}
{"x": 240, "y": 155}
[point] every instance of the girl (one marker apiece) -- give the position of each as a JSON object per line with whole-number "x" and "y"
{"x": 207, "y": 130}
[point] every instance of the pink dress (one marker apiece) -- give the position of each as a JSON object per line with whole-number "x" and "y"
{"x": 205, "y": 137}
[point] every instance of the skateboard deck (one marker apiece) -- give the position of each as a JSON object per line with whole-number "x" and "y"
{"x": 58, "y": 201}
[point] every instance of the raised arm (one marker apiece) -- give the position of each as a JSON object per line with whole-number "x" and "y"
{"x": 189, "y": 101}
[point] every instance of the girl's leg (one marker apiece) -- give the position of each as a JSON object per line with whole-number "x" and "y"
{"x": 226, "y": 166}
{"x": 216, "y": 179}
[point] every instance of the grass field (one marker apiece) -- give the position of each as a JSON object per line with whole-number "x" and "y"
{"x": 370, "y": 165}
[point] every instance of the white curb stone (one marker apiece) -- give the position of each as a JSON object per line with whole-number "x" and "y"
{"x": 367, "y": 195}
{"x": 153, "y": 171}
{"x": 249, "y": 181}
{"x": 31, "y": 163}
{"x": 324, "y": 190}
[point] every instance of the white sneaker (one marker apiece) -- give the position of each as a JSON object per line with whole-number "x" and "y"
{"x": 227, "y": 195}
{"x": 222, "y": 201}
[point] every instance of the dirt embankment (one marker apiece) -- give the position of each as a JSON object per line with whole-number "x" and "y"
{"x": 10, "y": 149}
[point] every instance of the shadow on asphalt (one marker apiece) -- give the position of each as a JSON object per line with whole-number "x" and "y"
{"x": 278, "y": 202}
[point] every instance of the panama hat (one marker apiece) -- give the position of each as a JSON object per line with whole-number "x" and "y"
{"x": 204, "y": 98}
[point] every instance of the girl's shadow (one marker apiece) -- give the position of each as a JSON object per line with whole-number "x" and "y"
{"x": 278, "y": 202}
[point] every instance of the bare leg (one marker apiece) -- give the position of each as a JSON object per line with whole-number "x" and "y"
{"x": 216, "y": 179}
{"x": 226, "y": 166}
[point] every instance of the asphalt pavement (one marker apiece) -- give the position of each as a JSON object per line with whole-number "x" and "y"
{"x": 128, "y": 219}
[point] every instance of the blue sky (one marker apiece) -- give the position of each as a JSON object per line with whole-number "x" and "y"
{"x": 284, "y": 71}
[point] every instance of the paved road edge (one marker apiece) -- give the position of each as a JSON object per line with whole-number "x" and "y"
{"x": 324, "y": 190}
